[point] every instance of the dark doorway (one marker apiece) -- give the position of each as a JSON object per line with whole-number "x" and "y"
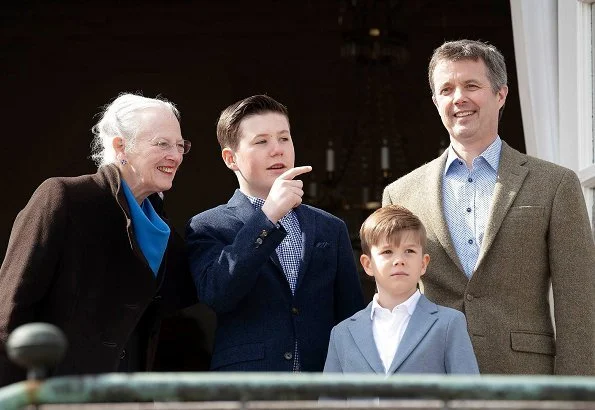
{"x": 62, "y": 61}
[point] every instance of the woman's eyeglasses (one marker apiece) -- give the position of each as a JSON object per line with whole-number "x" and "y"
{"x": 182, "y": 147}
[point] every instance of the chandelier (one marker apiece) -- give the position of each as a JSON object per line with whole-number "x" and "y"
{"x": 359, "y": 164}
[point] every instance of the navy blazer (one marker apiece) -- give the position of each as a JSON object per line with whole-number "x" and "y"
{"x": 238, "y": 274}
{"x": 435, "y": 341}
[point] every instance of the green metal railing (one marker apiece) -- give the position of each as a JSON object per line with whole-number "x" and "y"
{"x": 39, "y": 346}
{"x": 245, "y": 387}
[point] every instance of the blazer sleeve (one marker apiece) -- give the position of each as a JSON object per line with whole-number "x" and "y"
{"x": 332, "y": 363}
{"x": 460, "y": 358}
{"x": 572, "y": 269}
{"x": 32, "y": 255}
{"x": 226, "y": 255}
{"x": 349, "y": 297}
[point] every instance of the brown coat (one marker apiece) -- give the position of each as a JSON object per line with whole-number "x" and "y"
{"x": 538, "y": 232}
{"x": 72, "y": 260}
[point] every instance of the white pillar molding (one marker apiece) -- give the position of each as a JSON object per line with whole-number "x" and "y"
{"x": 569, "y": 111}
{"x": 534, "y": 24}
{"x": 576, "y": 76}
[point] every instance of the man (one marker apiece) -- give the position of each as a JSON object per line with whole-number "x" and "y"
{"x": 502, "y": 226}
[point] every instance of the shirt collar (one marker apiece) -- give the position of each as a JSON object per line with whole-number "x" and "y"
{"x": 409, "y": 305}
{"x": 491, "y": 155}
{"x": 259, "y": 202}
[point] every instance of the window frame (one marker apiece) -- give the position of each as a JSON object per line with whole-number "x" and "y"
{"x": 577, "y": 67}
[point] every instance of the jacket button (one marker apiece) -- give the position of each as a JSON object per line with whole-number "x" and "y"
{"x": 264, "y": 233}
{"x": 258, "y": 241}
{"x": 123, "y": 354}
{"x": 288, "y": 356}
{"x": 295, "y": 311}
{"x": 469, "y": 297}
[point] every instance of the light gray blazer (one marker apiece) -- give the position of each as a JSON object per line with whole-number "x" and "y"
{"x": 435, "y": 341}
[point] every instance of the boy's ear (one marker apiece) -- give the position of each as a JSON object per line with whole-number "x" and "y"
{"x": 366, "y": 264}
{"x": 424, "y": 263}
{"x": 229, "y": 158}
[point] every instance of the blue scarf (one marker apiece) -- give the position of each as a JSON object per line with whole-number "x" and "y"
{"x": 151, "y": 232}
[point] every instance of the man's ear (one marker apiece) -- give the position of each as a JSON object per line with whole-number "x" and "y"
{"x": 502, "y": 96}
{"x": 366, "y": 264}
{"x": 229, "y": 158}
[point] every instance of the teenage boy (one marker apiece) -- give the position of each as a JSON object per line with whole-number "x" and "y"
{"x": 400, "y": 331}
{"x": 278, "y": 274}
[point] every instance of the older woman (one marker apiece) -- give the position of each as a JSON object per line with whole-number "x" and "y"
{"x": 95, "y": 255}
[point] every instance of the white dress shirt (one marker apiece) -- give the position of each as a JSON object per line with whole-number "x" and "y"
{"x": 389, "y": 326}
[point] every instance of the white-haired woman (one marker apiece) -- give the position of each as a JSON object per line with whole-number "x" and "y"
{"x": 94, "y": 254}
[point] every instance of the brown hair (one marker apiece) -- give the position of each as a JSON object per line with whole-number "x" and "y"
{"x": 228, "y": 125}
{"x": 471, "y": 50}
{"x": 388, "y": 223}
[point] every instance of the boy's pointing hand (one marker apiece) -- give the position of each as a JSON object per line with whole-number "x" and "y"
{"x": 285, "y": 194}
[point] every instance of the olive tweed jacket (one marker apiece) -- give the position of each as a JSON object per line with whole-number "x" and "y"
{"x": 538, "y": 233}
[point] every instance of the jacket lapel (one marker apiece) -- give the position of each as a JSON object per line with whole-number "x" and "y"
{"x": 421, "y": 321}
{"x": 275, "y": 259}
{"x": 244, "y": 210}
{"x": 109, "y": 176}
{"x": 360, "y": 327}
{"x": 307, "y": 220}
{"x": 434, "y": 212}
{"x": 511, "y": 174}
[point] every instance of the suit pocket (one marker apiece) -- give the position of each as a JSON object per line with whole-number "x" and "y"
{"x": 526, "y": 211}
{"x": 530, "y": 342}
{"x": 237, "y": 354}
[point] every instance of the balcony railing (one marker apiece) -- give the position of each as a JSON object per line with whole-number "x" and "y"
{"x": 38, "y": 346}
{"x": 300, "y": 391}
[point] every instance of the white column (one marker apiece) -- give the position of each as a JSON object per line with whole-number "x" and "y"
{"x": 534, "y": 24}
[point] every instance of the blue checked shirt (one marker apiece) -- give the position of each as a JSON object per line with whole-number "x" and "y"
{"x": 290, "y": 253}
{"x": 467, "y": 197}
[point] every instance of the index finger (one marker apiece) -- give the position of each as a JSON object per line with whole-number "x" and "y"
{"x": 294, "y": 172}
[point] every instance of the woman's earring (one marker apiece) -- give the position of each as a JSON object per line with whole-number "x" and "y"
{"x": 121, "y": 159}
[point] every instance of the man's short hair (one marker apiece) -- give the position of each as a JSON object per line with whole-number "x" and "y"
{"x": 471, "y": 50}
{"x": 388, "y": 224}
{"x": 228, "y": 126}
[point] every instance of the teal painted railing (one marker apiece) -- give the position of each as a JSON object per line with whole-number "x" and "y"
{"x": 195, "y": 387}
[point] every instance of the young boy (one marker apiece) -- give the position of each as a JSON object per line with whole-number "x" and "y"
{"x": 400, "y": 331}
{"x": 278, "y": 274}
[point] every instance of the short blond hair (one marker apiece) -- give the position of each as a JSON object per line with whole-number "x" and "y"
{"x": 388, "y": 224}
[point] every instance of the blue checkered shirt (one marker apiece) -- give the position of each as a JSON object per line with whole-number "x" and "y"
{"x": 467, "y": 197}
{"x": 290, "y": 253}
